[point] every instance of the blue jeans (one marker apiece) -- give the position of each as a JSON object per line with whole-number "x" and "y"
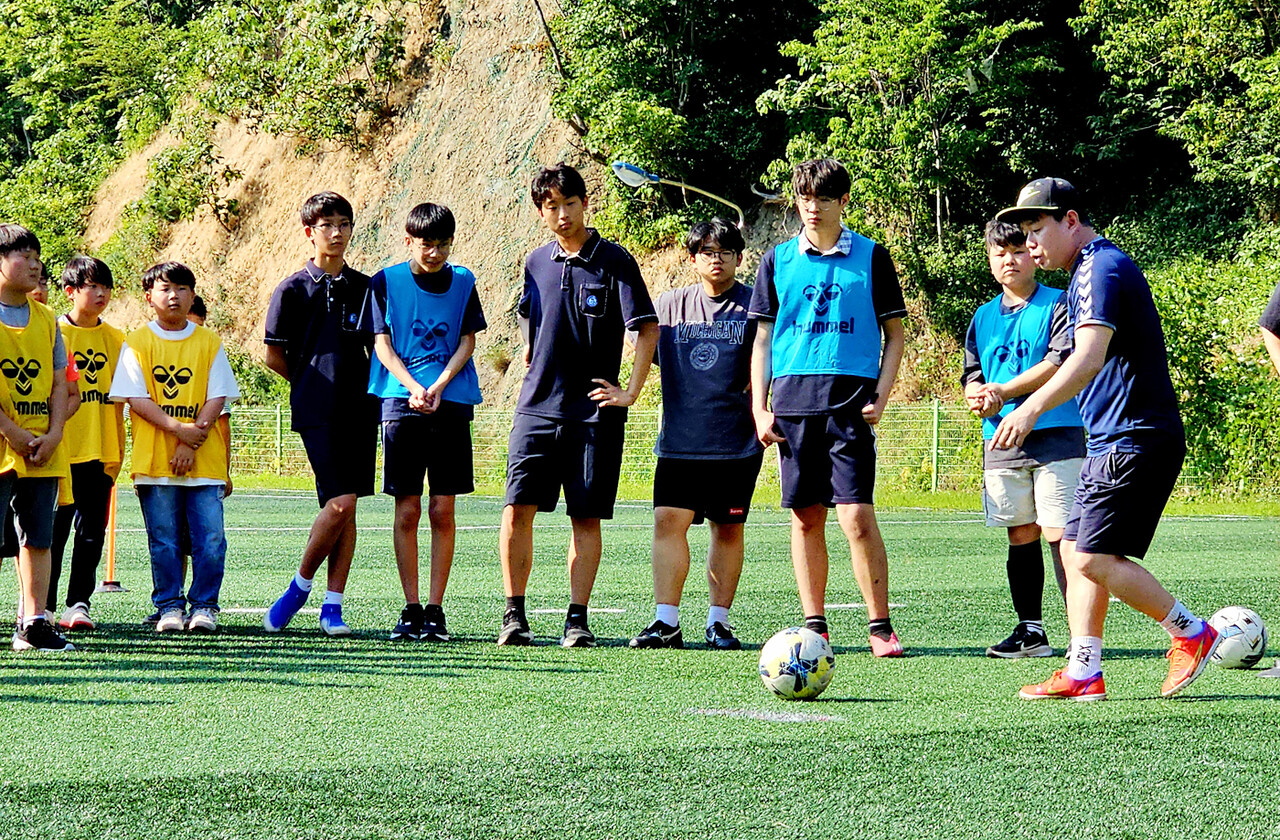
{"x": 162, "y": 506}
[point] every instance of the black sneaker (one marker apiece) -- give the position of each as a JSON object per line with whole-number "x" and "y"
{"x": 720, "y": 637}
{"x": 658, "y": 635}
{"x": 39, "y": 635}
{"x": 515, "y": 630}
{"x": 577, "y": 636}
{"x": 433, "y": 627}
{"x": 152, "y": 619}
{"x": 410, "y": 625}
{"x": 1021, "y": 644}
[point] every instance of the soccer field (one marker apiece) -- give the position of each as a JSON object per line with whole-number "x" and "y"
{"x": 245, "y": 735}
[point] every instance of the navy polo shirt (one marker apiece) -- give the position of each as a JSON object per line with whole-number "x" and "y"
{"x": 578, "y": 308}
{"x": 317, "y": 320}
{"x": 1131, "y": 401}
{"x": 1270, "y": 320}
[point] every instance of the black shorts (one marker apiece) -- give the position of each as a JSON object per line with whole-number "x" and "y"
{"x": 343, "y": 460}
{"x": 719, "y": 490}
{"x": 827, "y": 459}
{"x": 434, "y": 447}
{"x": 1120, "y": 498}
{"x": 585, "y": 459}
{"x": 33, "y": 502}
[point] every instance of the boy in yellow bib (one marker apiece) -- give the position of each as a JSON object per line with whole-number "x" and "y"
{"x": 94, "y": 437}
{"x": 176, "y": 378}
{"x": 33, "y": 404}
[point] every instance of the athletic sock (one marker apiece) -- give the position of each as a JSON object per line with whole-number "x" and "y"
{"x": 816, "y": 623}
{"x": 720, "y": 614}
{"x": 1059, "y": 573}
{"x": 1084, "y": 657}
{"x": 1181, "y": 622}
{"x": 881, "y": 628}
{"x": 1025, "y": 568}
{"x": 331, "y": 597}
{"x": 577, "y": 616}
{"x": 668, "y": 614}
{"x": 302, "y": 583}
{"x": 515, "y": 605}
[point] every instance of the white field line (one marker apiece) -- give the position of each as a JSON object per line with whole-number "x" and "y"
{"x": 621, "y": 526}
{"x": 772, "y": 717}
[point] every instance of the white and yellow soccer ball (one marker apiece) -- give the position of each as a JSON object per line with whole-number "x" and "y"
{"x": 797, "y": 664}
{"x": 1244, "y": 637}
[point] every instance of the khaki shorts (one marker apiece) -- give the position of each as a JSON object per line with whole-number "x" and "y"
{"x": 1023, "y": 495}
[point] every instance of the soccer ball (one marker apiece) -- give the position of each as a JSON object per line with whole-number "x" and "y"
{"x": 797, "y": 664}
{"x": 1244, "y": 637}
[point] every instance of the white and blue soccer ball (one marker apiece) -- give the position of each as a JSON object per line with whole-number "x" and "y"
{"x": 797, "y": 664}
{"x": 1244, "y": 637}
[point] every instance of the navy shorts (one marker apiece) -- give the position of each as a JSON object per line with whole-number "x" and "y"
{"x": 719, "y": 490}
{"x": 434, "y": 447}
{"x": 33, "y": 503}
{"x": 343, "y": 460}
{"x": 827, "y": 459}
{"x": 1120, "y": 498}
{"x": 585, "y": 459}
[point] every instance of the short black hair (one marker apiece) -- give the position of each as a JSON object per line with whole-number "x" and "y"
{"x": 198, "y": 308}
{"x": 821, "y": 178}
{"x": 718, "y": 231}
{"x": 563, "y": 178}
{"x": 45, "y": 274}
{"x": 81, "y": 271}
{"x": 17, "y": 238}
{"x": 171, "y": 272}
{"x": 1004, "y": 235}
{"x": 430, "y": 221}
{"x": 325, "y": 204}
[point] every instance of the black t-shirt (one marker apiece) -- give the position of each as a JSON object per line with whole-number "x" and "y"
{"x": 316, "y": 319}
{"x": 578, "y": 309}
{"x": 1270, "y": 320}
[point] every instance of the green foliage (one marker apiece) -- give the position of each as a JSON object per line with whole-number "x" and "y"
{"x": 1207, "y": 73}
{"x": 671, "y": 87}
{"x": 192, "y": 175}
{"x": 258, "y": 384}
{"x": 320, "y": 70}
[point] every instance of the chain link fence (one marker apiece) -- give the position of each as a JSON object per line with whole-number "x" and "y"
{"x": 928, "y": 446}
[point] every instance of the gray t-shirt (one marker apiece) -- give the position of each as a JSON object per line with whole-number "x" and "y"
{"x": 20, "y": 316}
{"x": 704, "y": 356}
{"x": 1042, "y": 446}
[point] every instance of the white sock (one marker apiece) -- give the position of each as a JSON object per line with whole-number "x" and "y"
{"x": 1181, "y": 622}
{"x": 720, "y": 614}
{"x": 1084, "y": 657}
{"x": 331, "y": 597}
{"x": 1034, "y": 626}
{"x": 668, "y": 614}
{"x": 303, "y": 583}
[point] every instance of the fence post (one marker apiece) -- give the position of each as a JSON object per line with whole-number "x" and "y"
{"x": 937, "y": 405}
{"x": 279, "y": 440}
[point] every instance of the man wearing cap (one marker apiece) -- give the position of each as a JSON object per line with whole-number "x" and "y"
{"x": 1119, "y": 373}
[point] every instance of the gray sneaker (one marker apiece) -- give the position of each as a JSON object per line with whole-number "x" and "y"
{"x": 171, "y": 620}
{"x": 577, "y": 636}
{"x": 203, "y": 620}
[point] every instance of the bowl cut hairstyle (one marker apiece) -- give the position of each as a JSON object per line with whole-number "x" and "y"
{"x": 563, "y": 178}
{"x": 80, "y": 271}
{"x": 1003, "y": 235}
{"x": 17, "y": 238}
{"x": 430, "y": 221}
{"x": 174, "y": 273}
{"x": 716, "y": 231}
{"x": 325, "y": 204}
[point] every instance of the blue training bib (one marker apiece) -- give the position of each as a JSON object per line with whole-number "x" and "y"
{"x": 1010, "y": 343}
{"x": 424, "y": 334}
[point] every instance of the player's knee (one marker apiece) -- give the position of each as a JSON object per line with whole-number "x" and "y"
{"x": 440, "y": 510}
{"x": 342, "y": 508}
{"x": 408, "y": 512}
{"x": 668, "y": 523}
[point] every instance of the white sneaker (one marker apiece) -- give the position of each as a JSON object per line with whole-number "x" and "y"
{"x": 203, "y": 620}
{"x": 170, "y": 620}
{"x": 76, "y": 618}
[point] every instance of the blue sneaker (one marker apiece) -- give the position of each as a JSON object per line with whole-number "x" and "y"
{"x": 285, "y": 608}
{"x": 331, "y": 620}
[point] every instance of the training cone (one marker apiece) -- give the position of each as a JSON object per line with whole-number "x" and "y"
{"x": 110, "y": 584}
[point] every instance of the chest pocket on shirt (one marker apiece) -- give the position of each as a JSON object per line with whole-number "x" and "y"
{"x": 593, "y": 299}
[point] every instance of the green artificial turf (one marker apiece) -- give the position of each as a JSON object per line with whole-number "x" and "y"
{"x": 246, "y": 735}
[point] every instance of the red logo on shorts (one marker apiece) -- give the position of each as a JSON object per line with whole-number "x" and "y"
{"x": 736, "y": 511}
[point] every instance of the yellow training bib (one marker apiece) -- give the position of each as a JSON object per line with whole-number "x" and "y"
{"x": 26, "y": 366}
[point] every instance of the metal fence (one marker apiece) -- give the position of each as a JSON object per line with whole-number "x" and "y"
{"x": 924, "y": 446}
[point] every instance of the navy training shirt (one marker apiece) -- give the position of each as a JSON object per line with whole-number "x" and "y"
{"x": 579, "y": 307}
{"x": 317, "y": 320}
{"x": 1131, "y": 401}
{"x": 1270, "y": 319}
